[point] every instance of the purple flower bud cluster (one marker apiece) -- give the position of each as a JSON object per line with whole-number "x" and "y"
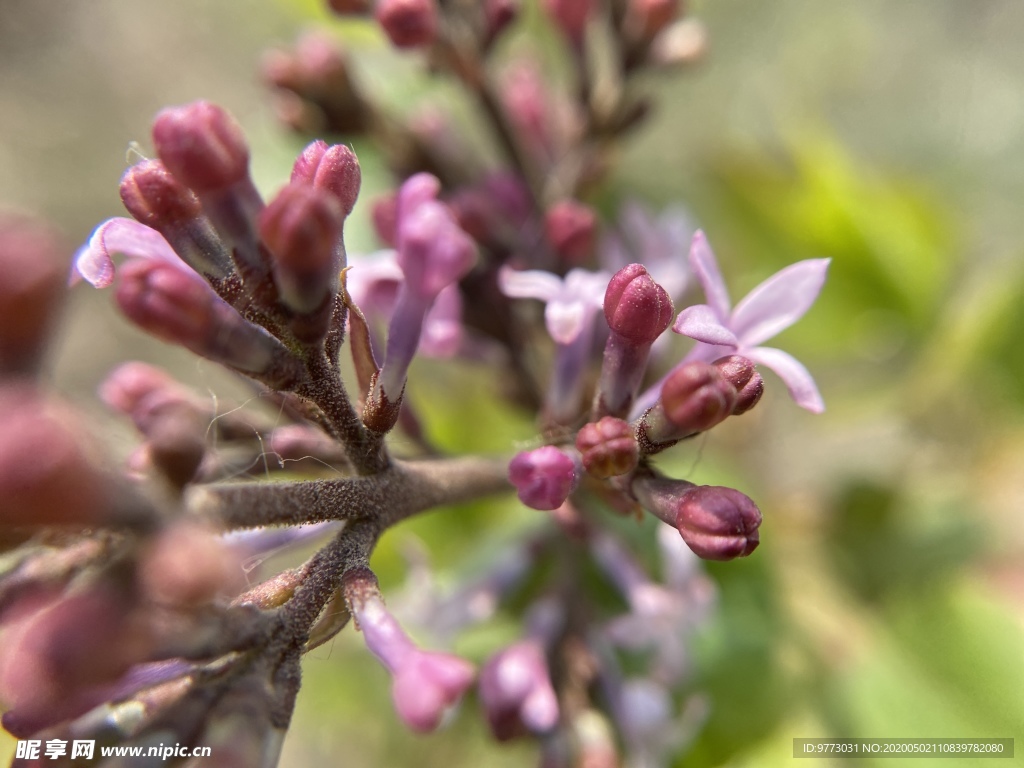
{"x": 129, "y": 601}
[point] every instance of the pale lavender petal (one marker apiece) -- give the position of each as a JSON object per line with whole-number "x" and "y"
{"x": 797, "y": 379}
{"x": 702, "y": 260}
{"x": 529, "y": 284}
{"x": 564, "y": 320}
{"x": 700, "y": 322}
{"x": 779, "y": 301}
{"x": 93, "y": 260}
{"x": 442, "y": 327}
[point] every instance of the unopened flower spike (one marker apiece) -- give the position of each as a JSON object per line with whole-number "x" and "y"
{"x": 770, "y": 308}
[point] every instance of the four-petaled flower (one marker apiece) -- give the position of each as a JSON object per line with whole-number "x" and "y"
{"x": 770, "y": 308}
{"x": 572, "y": 302}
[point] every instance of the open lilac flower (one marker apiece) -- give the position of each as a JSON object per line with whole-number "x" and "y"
{"x": 770, "y": 308}
{"x": 571, "y": 302}
{"x": 93, "y": 261}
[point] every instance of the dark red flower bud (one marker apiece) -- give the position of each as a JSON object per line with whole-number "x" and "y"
{"x": 608, "y": 447}
{"x": 202, "y": 145}
{"x": 186, "y": 565}
{"x": 717, "y": 523}
{"x": 498, "y": 14}
{"x": 32, "y": 278}
{"x": 696, "y": 397}
{"x": 154, "y": 197}
{"x": 571, "y": 228}
{"x": 408, "y": 23}
{"x": 302, "y": 228}
{"x": 333, "y": 168}
{"x": 570, "y": 16}
{"x": 740, "y": 372}
{"x": 46, "y": 477}
{"x": 646, "y": 18}
{"x": 636, "y": 307}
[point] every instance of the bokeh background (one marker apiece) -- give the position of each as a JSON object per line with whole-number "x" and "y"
{"x": 887, "y": 598}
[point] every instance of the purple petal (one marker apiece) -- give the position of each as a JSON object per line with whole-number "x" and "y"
{"x": 442, "y": 327}
{"x": 700, "y": 322}
{"x": 797, "y": 379}
{"x": 93, "y": 260}
{"x": 702, "y": 260}
{"x": 779, "y": 301}
{"x": 529, "y": 284}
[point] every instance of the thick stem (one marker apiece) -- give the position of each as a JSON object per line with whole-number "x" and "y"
{"x": 403, "y": 490}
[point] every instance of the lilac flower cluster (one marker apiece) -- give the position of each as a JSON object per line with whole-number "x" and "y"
{"x": 123, "y": 614}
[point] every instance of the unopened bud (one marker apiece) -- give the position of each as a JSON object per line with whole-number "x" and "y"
{"x": 408, "y": 23}
{"x": 636, "y": 307}
{"x": 571, "y": 17}
{"x": 543, "y": 477}
{"x": 646, "y": 18}
{"x": 178, "y": 306}
{"x": 717, "y": 523}
{"x": 177, "y": 442}
{"x": 188, "y": 565}
{"x": 740, "y": 372}
{"x": 608, "y": 447}
{"x": 157, "y": 199}
{"x": 31, "y": 284}
{"x": 498, "y": 14}
{"x": 46, "y": 478}
{"x": 516, "y": 692}
{"x": 384, "y": 213}
{"x": 696, "y": 397}
{"x": 333, "y": 168}
{"x": 302, "y": 227}
{"x": 571, "y": 229}
{"x": 154, "y": 197}
{"x": 433, "y": 251}
{"x": 202, "y": 145}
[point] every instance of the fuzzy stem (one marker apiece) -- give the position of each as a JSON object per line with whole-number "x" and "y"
{"x": 403, "y": 490}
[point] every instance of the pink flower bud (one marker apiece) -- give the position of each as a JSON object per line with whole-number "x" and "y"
{"x": 571, "y": 228}
{"x": 717, "y": 523}
{"x": 740, "y": 372}
{"x": 202, "y": 145}
{"x": 516, "y": 691}
{"x": 156, "y": 198}
{"x": 46, "y": 477}
{"x": 408, "y": 23}
{"x": 498, "y": 14}
{"x": 51, "y": 651}
{"x": 646, "y": 18}
{"x": 543, "y": 477}
{"x": 571, "y": 16}
{"x": 636, "y": 307}
{"x": 433, "y": 251}
{"x": 31, "y": 284}
{"x": 302, "y": 227}
{"x": 178, "y": 306}
{"x": 333, "y": 168}
{"x": 425, "y": 684}
{"x": 608, "y": 447}
{"x": 696, "y": 397}
{"x": 130, "y": 384}
{"x": 385, "y": 216}
{"x": 188, "y": 565}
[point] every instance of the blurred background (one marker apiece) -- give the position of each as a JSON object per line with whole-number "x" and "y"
{"x": 887, "y": 597}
